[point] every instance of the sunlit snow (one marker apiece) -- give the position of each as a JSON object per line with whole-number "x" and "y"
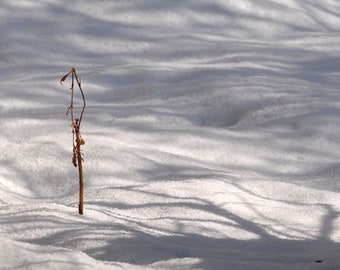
{"x": 212, "y": 134}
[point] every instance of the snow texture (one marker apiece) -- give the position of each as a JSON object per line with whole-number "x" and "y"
{"x": 212, "y": 134}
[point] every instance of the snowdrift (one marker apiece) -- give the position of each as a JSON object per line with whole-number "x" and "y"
{"x": 212, "y": 134}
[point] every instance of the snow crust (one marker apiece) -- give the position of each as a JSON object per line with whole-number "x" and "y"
{"x": 212, "y": 134}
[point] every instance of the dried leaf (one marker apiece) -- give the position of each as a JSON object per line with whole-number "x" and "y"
{"x": 64, "y": 77}
{"x": 74, "y": 157}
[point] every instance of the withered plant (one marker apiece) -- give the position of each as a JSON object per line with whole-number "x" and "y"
{"x": 77, "y": 158}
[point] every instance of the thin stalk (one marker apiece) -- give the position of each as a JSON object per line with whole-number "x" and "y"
{"x": 82, "y": 95}
{"x": 80, "y": 169}
{"x": 77, "y": 159}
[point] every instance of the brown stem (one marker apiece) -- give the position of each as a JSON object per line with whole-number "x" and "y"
{"x": 82, "y": 94}
{"x": 77, "y": 140}
{"x": 80, "y": 168}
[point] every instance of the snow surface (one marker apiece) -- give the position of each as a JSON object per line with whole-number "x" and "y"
{"x": 212, "y": 134}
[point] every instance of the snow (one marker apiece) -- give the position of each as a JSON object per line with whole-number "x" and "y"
{"x": 211, "y": 130}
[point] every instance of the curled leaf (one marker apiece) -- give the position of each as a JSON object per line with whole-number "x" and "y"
{"x": 64, "y": 77}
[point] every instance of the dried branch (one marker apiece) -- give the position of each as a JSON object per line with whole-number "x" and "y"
{"x": 70, "y": 108}
{"x": 82, "y": 94}
{"x": 77, "y": 158}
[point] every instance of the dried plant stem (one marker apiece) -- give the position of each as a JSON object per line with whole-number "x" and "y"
{"x": 77, "y": 159}
{"x": 80, "y": 169}
{"x": 82, "y": 94}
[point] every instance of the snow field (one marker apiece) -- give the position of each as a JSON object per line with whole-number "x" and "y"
{"x": 211, "y": 135}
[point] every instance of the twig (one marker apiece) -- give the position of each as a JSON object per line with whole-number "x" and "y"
{"x": 77, "y": 139}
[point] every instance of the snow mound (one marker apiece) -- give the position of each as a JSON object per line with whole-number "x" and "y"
{"x": 27, "y": 256}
